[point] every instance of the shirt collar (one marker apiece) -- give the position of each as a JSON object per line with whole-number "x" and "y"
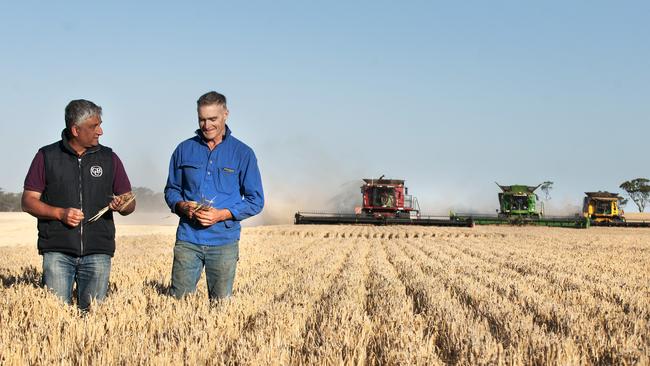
{"x": 200, "y": 135}
{"x": 65, "y": 140}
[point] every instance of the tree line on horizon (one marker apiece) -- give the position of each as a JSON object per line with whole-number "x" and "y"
{"x": 638, "y": 190}
{"x": 147, "y": 200}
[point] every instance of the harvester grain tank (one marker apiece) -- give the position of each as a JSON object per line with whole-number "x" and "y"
{"x": 384, "y": 202}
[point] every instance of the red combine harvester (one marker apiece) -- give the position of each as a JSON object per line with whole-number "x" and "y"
{"x": 385, "y": 202}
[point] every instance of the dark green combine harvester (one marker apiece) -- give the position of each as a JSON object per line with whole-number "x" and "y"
{"x": 519, "y": 202}
{"x": 519, "y": 205}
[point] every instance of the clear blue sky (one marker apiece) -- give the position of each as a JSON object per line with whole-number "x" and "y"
{"x": 450, "y": 96}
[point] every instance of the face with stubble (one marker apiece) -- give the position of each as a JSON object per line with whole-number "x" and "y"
{"x": 212, "y": 121}
{"x": 86, "y": 134}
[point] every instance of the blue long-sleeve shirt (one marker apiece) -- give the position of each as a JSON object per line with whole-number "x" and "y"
{"x": 227, "y": 176}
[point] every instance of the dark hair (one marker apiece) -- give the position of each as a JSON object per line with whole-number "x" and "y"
{"x": 210, "y": 98}
{"x": 80, "y": 110}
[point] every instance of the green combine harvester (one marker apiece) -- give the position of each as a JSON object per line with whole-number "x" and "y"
{"x": 519, "y": 202}
{"x": 519, "y": 205}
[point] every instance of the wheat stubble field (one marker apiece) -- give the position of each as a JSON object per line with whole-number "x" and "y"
{"x": 353, "y": 295}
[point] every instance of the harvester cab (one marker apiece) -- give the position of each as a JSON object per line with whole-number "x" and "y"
{"x": 519, "y": 202}
{"x": 602, "y": 207}
{"x": 388, "y": 198}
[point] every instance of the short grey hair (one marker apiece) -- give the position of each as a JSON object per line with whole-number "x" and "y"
{"x": 211, "y": 98}
{"x": 80, "y": 110}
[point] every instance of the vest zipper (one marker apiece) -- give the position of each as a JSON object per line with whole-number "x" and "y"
{"x": 81, "y": 204}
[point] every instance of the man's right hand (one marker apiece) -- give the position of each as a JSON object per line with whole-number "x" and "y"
{"x": 72, "y": 216}
{"x": 32, "y": 204}
{"x": 186, "y": 208}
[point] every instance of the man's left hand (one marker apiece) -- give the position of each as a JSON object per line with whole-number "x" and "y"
{"x": 118, "y": 202}
{"x": 211, "y": 215}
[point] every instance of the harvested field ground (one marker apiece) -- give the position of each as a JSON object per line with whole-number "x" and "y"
{"x": 637, "y": 216}
{"x": 349, "y": 295}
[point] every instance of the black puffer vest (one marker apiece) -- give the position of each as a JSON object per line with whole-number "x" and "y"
{"x": 84, "y": 182}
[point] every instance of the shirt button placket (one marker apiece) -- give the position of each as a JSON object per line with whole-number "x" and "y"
{"x": 209, "y": 166}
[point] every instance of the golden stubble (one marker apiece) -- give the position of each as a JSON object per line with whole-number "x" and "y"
{"x": 353, "y": 295}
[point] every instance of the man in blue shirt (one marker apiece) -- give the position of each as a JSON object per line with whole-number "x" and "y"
{"x": 213, "y": 184}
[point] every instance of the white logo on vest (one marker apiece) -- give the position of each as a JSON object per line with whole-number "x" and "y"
{"x": 96, "y": 171}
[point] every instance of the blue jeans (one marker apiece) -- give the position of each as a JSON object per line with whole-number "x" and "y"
{"x": 220, "y": 265}
{"x": 90, "y": 272}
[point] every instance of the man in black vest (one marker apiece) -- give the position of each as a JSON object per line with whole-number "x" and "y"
{"x": 68, "y": 182}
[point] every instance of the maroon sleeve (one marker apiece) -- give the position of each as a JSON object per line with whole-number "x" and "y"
{"x": 35, "y": 179}
{"x": 121, "y": 182}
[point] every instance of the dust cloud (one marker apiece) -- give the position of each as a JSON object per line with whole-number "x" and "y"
{"x": 282, "y": 204}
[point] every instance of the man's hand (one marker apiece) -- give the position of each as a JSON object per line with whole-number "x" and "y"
{"x": 186, "y": 208}
{"x": 71, "y": 216}
{"x": 210, "y": 216}
{"x": 118, "y": 203}
{"x": 32, "y": 204}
